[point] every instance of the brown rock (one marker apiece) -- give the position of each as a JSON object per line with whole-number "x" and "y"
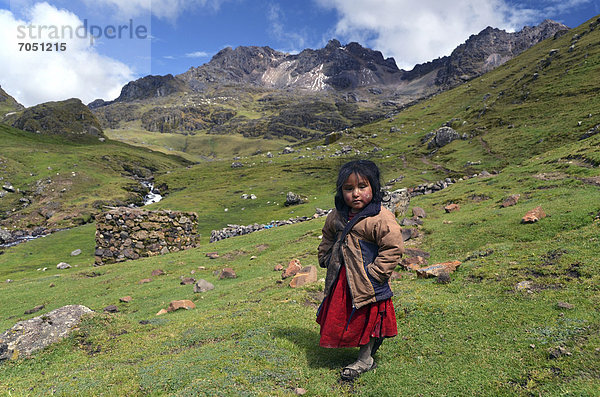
{"x": 510, "y": 201}
{"x": 395, "y": 276}
{"x": 565, "y": 305}
{"x": 416, "y": 252}
{"x": 126, "y": 299}
{"x": 145, "y": 281}
{"x": 534, "y": 215}
{"x": 413, "y": 263}
{"x": 278, "y": 268}
{"x": 419, "y": 212}
{"x": 111, "y": 309}
{"x": 212, "y": 255}
{"x": 452, "y": 208}
{"x": 158, "y": 272}
{"x": 227, "y": 273}
{"x": 293, "y": 268}
{"x": 306, "y": 275}
{"x": 437, "y": 269}
{"x": 300, "y": 391}
{"x": 181, "y": 304}
{"x": 35, "y": 309}
{"x": 161, "y": 312}
{"x": 187, "y": 281}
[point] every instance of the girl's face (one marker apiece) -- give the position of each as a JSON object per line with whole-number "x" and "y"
{"x": 357, "y": 192}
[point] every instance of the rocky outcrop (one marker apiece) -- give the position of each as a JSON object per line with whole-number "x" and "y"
{"x": 69, "y": 118}
{"x": 440, "y": 138}
{"x": 127, "y": 233}
{"x": 334, "y": 66}
{"x": 28, "y": 336}
{"x": 8, "y": 104}
{"x": 483, "y": 52}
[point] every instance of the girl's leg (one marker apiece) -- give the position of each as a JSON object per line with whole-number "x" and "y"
{"x": 364, "y": 363}
{"x": 376, "y": 345}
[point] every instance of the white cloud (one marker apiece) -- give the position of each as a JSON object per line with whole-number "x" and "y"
{"x": 164, "y": 9}
{"x": 419, "y": 32}
{"x": 33, "y": 77}
{"x": 278, "y": 29}
{"x": 197, "y": 54}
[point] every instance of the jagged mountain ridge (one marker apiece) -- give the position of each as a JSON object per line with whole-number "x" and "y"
{"x": 8, "y": 104}
{"x": 484, "y": 52}
{"x": 258, "y": 91}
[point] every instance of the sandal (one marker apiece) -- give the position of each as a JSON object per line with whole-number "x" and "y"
{"x": 349, "y": 374}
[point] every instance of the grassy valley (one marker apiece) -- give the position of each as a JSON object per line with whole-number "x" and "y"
{"x": 519, "y": 317}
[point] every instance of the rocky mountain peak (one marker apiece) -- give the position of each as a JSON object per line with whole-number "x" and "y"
{"x": 8, "y": 104}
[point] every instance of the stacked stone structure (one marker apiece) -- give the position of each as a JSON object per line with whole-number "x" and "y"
{"x": 127, "y": 233}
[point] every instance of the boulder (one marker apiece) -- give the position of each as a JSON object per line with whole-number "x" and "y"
{"x": 534, "y": 215}
{"x": 437, "y": 269}
{"x": 413, "y": 263}
{"x": 510, "y": 201}
{"x": 292, "y": 269}
{"x": 63, "y": 266}
{"x": 306, "y": 275}
{"x": 157, "y": 272}
{"x": 203, "y": 286}
{"x": 181, "y": 304}
{"x": 294, "y": 199}
{"x": 419, "y": 212}
{"x": 227, "y": 273}
{"x": 187, "y": 281}
{"x": 111, "y": 309}
{"x": 39, "y": 332}
{"x": 452, "y": 208}
{"x": 126, "y": 299}
{"x": 442, "y": 137}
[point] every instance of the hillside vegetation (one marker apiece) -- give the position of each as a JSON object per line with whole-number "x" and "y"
{"x": 519, "y": 317}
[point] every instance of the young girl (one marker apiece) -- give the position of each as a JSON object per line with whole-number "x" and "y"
{"x": 362, "y": 244}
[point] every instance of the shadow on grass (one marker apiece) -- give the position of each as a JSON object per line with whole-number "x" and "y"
{"x": 316, "y": 356}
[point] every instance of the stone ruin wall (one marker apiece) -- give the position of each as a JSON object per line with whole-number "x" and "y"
{"x": 127, "y": 233}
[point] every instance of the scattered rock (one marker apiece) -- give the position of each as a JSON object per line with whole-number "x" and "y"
{"x": 452, "y": 208}
{"x": 443, "y": 278}
{"x": 409, "y": 232}
{"x": 557, "y": 352}
{"x": 203, "y": 286}
{"x": 126, "y": 299}
{"x": 295, "y": 199}
{"x": 63, "y": 266}
{"x": 300, "y": 391}
{"x": 397, "y": 201}
{"x": 293, "y": 268}
{"x": 534, "y": 215}
{"x": 227, "y": 273}
{"x": 441, "y": 137}
{"x": 510, "y": 201}
{"x": 212, "y": 255}
{"x": 437, "y": 269}
{"x": 253, "y": 257}
{"x": 181, "y": 304}
{"x": 413, "y": 263}
{"x": 35, "y": 309}
{"x": 565, "y": 305}
{"x": 278, "y": 267}
{"x": 395, "y": 276}
{"x": 524, "y": 285}
{"x": 161, "y": 312}
{"x": 306, "y": 275}
{"x": 236, "y": 164}
{"x": 157, "y": 272}
{"x": 145, "y": 281}
{"x": 187, "y": 281}
{"x": 76, "y": 252}
{"x": 419, "y": 212}
{"x": 111, "y": 309}
{"x": 39, "y": 332}
{"x": 412, "y": 252}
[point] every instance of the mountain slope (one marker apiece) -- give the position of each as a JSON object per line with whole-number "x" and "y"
{"x": 8, "y": 104}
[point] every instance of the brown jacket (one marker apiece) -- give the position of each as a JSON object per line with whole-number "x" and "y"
{"x": 370, "y": 246}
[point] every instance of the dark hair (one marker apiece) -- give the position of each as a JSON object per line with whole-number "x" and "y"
{"x": 366, "y": 169}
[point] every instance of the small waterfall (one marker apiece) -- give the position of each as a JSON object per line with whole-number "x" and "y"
{"x": 153, "y": 195}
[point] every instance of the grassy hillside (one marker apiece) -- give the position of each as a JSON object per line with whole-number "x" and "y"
{"x": 496, "y": 329}
{"x": 65, "y": 182}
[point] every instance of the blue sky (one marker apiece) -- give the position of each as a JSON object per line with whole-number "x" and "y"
{"x": 175, "y": 35}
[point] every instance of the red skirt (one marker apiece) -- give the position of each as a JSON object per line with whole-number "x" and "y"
{"x": 341, "y": 326}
